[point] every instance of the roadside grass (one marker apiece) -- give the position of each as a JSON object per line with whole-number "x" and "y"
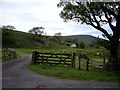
{"x": 66, "y": 72}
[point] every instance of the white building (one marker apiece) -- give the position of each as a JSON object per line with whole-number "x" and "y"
{"x": 73, "y": 45}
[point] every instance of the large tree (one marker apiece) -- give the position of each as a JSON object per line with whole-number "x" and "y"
{"x": 37, "y": 31}
{"x": 96, "y": 14}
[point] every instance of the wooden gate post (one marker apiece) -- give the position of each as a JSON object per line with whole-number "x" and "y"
{"x": 14, "y": 55}
{"x": 79, "y": 64}
{"x": 34, "y": 57}
{"x": 73, "y": 59}
{"x": 11, "y": 52}
{"x": 87, "y": 63}
{"x": 79, "y": 61}
{"x": 104, "y": 63}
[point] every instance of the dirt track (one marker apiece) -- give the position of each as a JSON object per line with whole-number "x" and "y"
{"x": 15, "y": 74}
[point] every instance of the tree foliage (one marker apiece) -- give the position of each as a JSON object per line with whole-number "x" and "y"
{"x": 82, "y": 45}
{"x": 58, "y": 37}
{"x": 37, "y": 31}
{"x": 9, "y": 27}
{"x": 92, "y": 13}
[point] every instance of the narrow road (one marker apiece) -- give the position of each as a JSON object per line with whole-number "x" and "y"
{"x": 15, "y": 74}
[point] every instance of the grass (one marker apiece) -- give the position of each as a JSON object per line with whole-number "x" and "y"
{"x": 92, "y": 53}
{"x": 73, "y": 73}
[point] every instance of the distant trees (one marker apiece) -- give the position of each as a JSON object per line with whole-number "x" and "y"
{"x": 58, "y": 34}
{"x": 82, "y": 45}
{"x": 58, "y": 37}
{"x": 9, "y": 27}
{"x": 37, "y": 31}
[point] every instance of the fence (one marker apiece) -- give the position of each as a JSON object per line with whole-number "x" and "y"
{"x": 8, "y": 54}
{"x": 83, "y": 62}
{"x": 87, "y": 63}
{"x": 82, "y": 56}
{"x": 53, "y": 58}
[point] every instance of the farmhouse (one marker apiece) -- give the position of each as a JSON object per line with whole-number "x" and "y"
{"x": 73, "y": 45}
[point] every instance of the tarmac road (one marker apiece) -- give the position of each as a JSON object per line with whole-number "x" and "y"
{"x": 15, "y": 74}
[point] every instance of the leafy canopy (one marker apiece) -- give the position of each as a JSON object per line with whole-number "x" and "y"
{"x": 37, "y": 30}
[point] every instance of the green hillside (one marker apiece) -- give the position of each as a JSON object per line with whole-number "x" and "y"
{"x": 87, "y": 39}
{"x": 18, "y": 39}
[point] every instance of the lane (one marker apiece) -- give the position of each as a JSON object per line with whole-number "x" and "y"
{"x": 15, "y": 74}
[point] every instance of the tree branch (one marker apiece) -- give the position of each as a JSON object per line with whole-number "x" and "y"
{"x": 99, "y": 28}
{"x": 93, "y": 14}
{"x": 109, "y": 20}
{"x": 110, "y": 12}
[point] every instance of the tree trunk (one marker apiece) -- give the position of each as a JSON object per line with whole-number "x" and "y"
{"x": 113, "y": 62}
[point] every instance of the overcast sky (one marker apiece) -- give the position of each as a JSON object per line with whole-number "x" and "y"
{"x": 26, "y": 14}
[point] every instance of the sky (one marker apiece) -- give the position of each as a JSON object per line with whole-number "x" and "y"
{"x": 26, "y": 14}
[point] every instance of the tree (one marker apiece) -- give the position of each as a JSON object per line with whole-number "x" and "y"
{"x": 58, "y": 34}
{"x": 9, "y": 27}
{"x": 58, "y": 37}
{"x": 82, "y": 45}
{"x": 37, "y": 31}
{"x": 96, "y": 14}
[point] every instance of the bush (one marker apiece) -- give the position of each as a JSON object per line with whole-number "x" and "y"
{"x": 82, "y": 45}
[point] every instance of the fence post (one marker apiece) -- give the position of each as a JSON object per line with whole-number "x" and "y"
{"x": 14, "y": 55}
{"x": 11, "y": 52}
{"x": 79, "y": 63}
{"x": 87, "y": 68}
{"x": 34, "y": 57}
{"x": 103, "y": 63}
{"x": 73, "y": 59}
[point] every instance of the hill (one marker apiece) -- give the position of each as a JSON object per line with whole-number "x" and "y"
{"x": 18, "y": 39}
{"x": 86, "y": 39}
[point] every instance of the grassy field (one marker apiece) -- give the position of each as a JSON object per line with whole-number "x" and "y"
{"x": 92, "y": 53}
{"x": 73, "y": 73}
